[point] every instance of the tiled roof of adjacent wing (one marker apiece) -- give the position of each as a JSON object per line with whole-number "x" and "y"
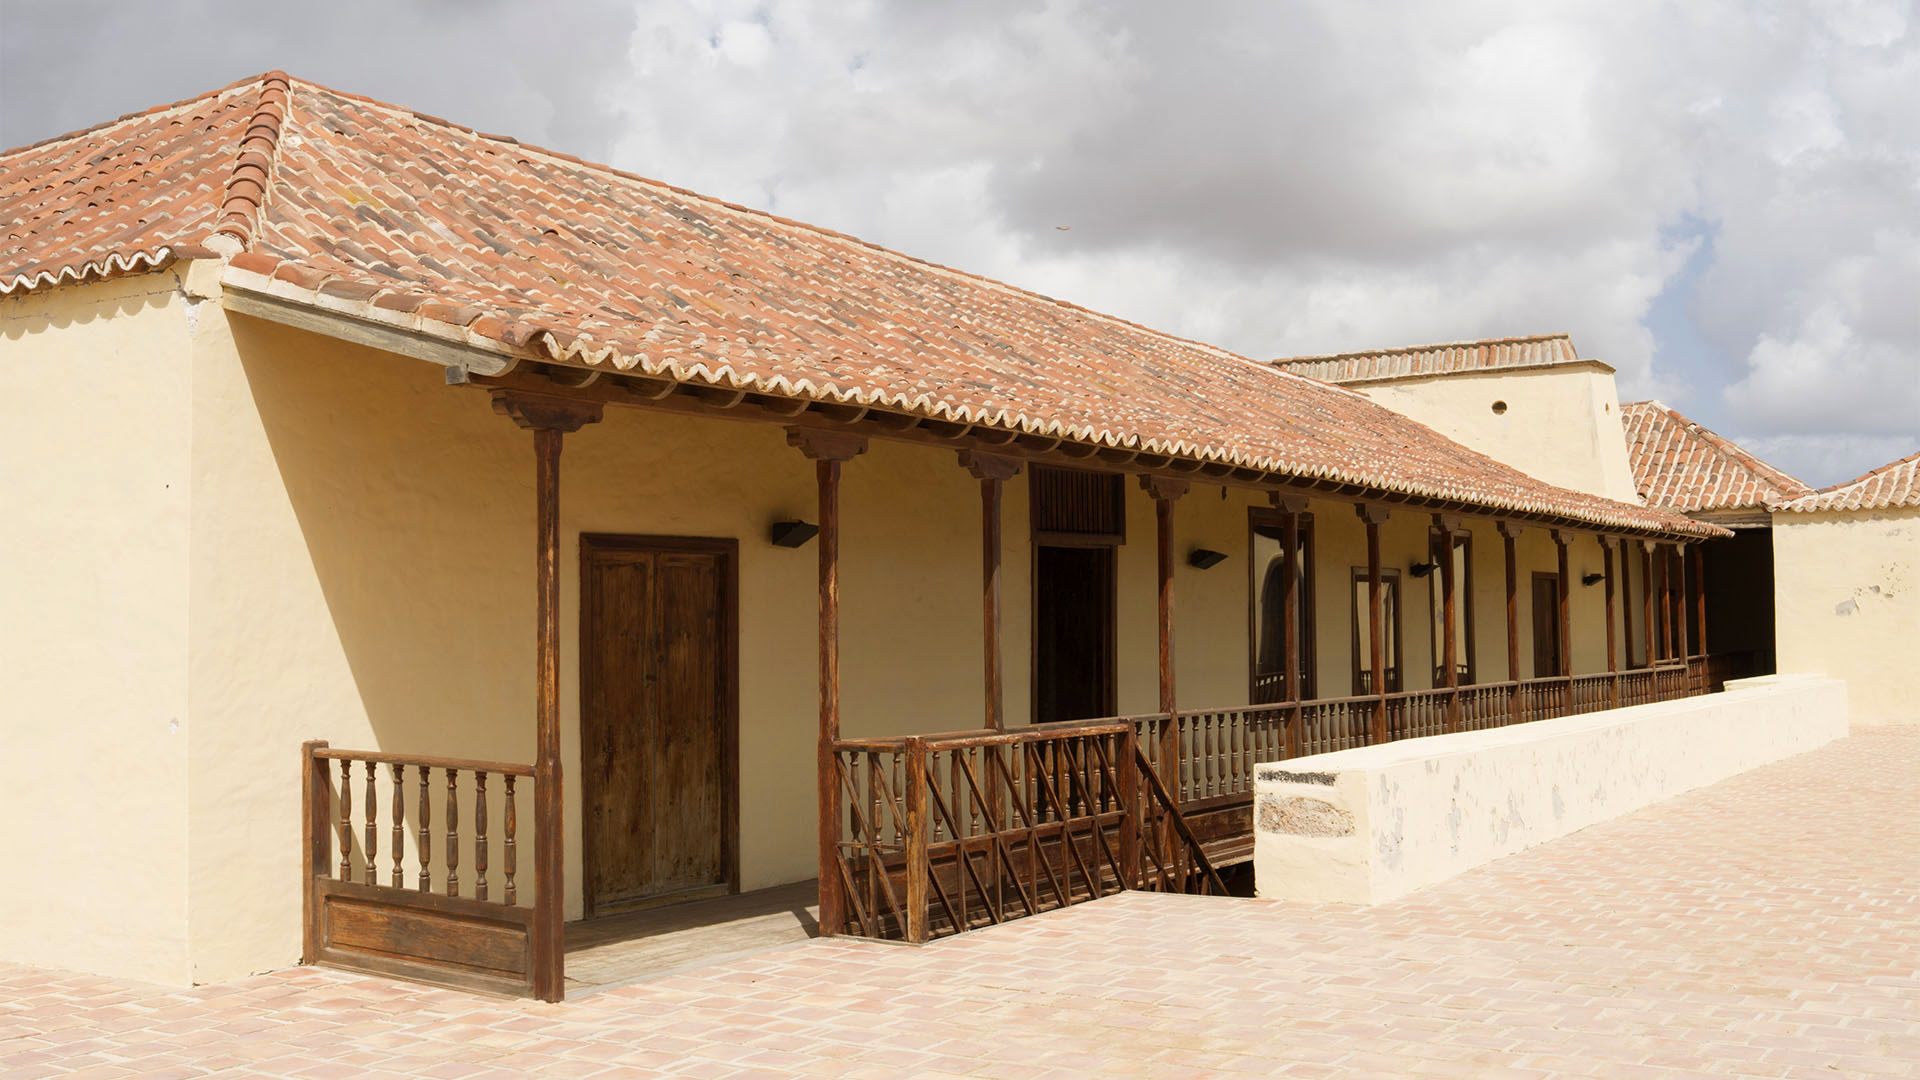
{"x": 374, "y": 209}
{"x": 1541, "y": 350}
{"x": 137, "y": 192}
{"x": 1893, "y": 485}
{"x": 1682, "y": 466}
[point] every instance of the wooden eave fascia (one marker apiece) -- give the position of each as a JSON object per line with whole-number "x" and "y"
{"x": 460, "y": 357}
{"x": 1745, "y": 517}
{"x": 651, "y": 392}
{"x": 469, "y": 362}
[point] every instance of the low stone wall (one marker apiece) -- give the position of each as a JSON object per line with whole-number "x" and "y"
{"x": 1367, "y": 825}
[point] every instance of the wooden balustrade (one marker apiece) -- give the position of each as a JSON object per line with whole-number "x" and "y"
{"x": 461, "y": 779}
{"x": 1219, "y": 747}
{"x": 944, "y": 833}
{"x": 354, "y": 919}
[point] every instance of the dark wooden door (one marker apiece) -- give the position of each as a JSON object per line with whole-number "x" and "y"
{"x": 657, "y": 718}
{"x": 1546, "y": 625}
{"x": 1073, "y": 613}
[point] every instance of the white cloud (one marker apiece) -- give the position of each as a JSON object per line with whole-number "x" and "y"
{"x": 1326, "y": 175}
{"x": 1275, "y": 178}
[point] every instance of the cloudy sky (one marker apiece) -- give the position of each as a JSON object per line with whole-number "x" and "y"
{"x": 1720, "y": 199}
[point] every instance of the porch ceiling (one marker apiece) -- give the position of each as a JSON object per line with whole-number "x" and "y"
{"x": 408, "y": 221}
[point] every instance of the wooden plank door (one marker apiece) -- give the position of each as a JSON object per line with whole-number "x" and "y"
{"x": 657, "y": 723}
{"x": 1546, "y": 625}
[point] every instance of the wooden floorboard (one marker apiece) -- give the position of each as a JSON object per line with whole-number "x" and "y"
{"x": 620, "y": 949}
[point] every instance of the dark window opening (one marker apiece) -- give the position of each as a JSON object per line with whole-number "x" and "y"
{"x": 1267, "y": 599}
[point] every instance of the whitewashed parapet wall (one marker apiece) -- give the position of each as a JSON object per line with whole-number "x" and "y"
{"x": 1371, "y": 824}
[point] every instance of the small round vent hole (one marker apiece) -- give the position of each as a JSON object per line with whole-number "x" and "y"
{"x": 1499, "y": 408}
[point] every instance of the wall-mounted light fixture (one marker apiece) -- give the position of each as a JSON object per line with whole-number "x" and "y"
{"x": 1422, "y": 569}
{"x": 1204, "y": 558}
{"x": 792, "y": 534}
{"x": 1592, "y": 579}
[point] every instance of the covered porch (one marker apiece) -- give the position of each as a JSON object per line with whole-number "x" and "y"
{"x": 927, "y": 834}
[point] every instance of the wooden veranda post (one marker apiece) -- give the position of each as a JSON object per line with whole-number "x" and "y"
{"x": 993, "y": 472}
{"x": 1448, "y": 524}
{"x": 1509, "y": 532}
{"x": 1680, "y": 601}
{"x": 828, "y": 450}
{"x": 1290, "y": 507}
{"x": 1613, "y": 653}
{"x": 915, "y": 840}
{"x": 1375, "y": 516}
{"x": 1667, "y": 639}
{"x": 1566, "y": 622}
{"x": 1164, "y": 492}
{"x": 1699, "y": 593}
{"x": 1626, "y": 603}
{"x": 316, "y": 841}
{"x": 1648, "y": 626}
{"x": 1699, "y": 578}
{"x": 550, "y": 417}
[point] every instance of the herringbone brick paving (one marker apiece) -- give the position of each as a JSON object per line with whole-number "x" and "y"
{"x": 1768, "y": 926}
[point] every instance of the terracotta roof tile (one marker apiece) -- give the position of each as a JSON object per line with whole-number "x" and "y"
{"x": 1895, "y": 485}
{"x": 390, "y": 212}
{"x": 1682, "y": 466}
{"x": 126, "y": 195}
{"x": 1378, "y": 365}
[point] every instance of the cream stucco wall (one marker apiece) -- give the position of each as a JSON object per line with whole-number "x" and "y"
{"x": 1371, "y": 824}
{"x": 1847, "y": 604}
{"x": 94, "y": 392}
{"x": 1561, "y": 424}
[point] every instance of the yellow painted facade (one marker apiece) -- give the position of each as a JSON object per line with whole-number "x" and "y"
{"x": 96, "y": 385}
{"x": 1561, "y": 424}
{"x": 268, "y": 536}
{"x": 1847, "y": 604}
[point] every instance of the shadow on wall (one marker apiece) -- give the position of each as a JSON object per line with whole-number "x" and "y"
{"x": 22, "y": 317}
{"x": 408, "y": 626}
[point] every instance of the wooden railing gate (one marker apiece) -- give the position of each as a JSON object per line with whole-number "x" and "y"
{"x": 402, "y": 912}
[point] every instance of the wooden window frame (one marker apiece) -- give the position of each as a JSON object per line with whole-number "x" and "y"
{"x": 1258, "y": 516}
{"x": 1462, "y": 599}
{"x": 1362, "y": 617}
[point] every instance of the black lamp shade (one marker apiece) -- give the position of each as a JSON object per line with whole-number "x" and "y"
{"x": 792, "y": 534}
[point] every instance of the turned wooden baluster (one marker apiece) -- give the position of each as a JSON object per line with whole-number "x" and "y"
{"x": 426, "y": 831}
{"x": 453, "y": 832}
{"x": 399, "y": 815}
{"x": 346, "y": 820}
{"x": 373, "y": 821}
{"x": 507, "y": 844}
{"x": 480, "y": 834}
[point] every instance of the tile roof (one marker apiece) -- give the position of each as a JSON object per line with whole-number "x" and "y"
{"x": 410, "y": 220}
{"x": 1379, "y": 365}
{"x": 1682, "y": 466}
{"x": 1894, "y": 485}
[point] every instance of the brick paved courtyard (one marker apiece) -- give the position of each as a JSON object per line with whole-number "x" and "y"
{"x": 1767, "y": 926}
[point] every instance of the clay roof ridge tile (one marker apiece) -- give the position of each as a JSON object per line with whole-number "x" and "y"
{"x": 1480, "y": 346}
{"x": 1875, "y": 489}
